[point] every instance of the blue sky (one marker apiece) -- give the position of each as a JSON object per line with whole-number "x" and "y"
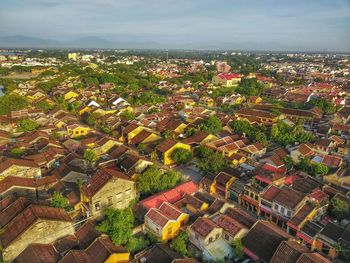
{"x": 254, "y": 24}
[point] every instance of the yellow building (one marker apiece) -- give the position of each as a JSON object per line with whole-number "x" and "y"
{"x": 227, "y": 79}
{"x": 165, "y": 222}
{"x": 82, "y": 109}
{"x": 237, "y": 159}
{"x": 70, "y": 94}
{"x": 73, "y": 56}
{"x": 77, "y": 130}
{"x": 106, "y": 188}
{"x": 166, "y": 148}
{"x": 200, "y": 138}
{"x": 144, "y": 136}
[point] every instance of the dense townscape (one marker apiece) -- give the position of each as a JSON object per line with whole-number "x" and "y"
{"x": 174, "y": 156}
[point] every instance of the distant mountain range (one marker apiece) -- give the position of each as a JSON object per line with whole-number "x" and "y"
{"x": 92, "y": 42}
{"x": 84, "y": 42}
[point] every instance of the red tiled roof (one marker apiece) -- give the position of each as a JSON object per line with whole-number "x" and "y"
{"x": 289, "y": 197}
{"x": 13, "y": 210}
{"x": 165, "y": 145}
{"x": 203, "y": 226}
{"x": 271, "y": 193}
{"x": 27, "y": 217}
{"x": 11, "y": 181}
{"x": 230, "y": 225}
{"x": 171, "y": 196}
{"x": 4, "y": 165}
{"x": 86, "y": 234}
{"x": 241, "y": 216}
{"x": 312, "y": 258}
{"x": 263, "y": 239}
{"x": 170, "y": 211}
{"x": 38, "y": 253}
{"x": 288, "y": 252}
{"x": 229, "y": 76}
{"x": 99, "y": 179}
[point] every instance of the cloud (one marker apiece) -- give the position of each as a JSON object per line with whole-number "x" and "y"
{"x": 318, "y": 23}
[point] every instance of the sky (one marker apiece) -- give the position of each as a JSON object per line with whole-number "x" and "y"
{"x": 308, "y": 25}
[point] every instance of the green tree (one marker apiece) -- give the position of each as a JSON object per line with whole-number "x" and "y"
{"x": 181, "y": 156}
{"x": 238, "y": 247}
{"x": 169, "y": 180}
{"x": 93, "y": 118}
{"x": 179, "y": 244}
{"x": 12, "y": 102}
{"x": 288, "y": 162}
{"x": 339, "y": 208}
{"x": 45, "y": 105}
{"x": 17, "y": 152}
{"x": 59, "y": 201}
{"x": 211, "y": 161}
{"x": 117, "y": 225}
{"x": 25, "y": 125}
{"x": 255, "y": 133}
{"x": 319, "y": 169}
{"x": 211, "y": 125}
{"x": 152, "y": 180}
{"x": 90, "y": 155}
{"x": 136, "y": 244}
{"x": 127, "y": 115}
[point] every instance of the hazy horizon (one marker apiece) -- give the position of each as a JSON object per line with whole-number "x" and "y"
{"x": 314, "y": 25}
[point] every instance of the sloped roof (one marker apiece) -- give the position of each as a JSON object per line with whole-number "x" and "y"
{"x": 27, "y": 217}
{"x": 100, "y": 178}
{"x": 288, "y": 252}
{"x": 38, "y": 253}
{"x": 8, "y": 162}
{"x": 203, "y": 226}
{"x": 263, "y": 239}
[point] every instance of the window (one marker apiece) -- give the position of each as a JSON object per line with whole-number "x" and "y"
{"x": 170, "y": 230}
{"x": 227, "y": 237}
{"x": 127, "y": 192}
{"x": 210, "y": 239}
{"x": 119, "y": 195}
{"x": 289, "y": 213}
{"x": 282, "y": 210}
{"x": 110, "y": 200}
{"x": 98, "y": 206}
{"x": 77, "y": 132}
{"x": 276, "y": 207}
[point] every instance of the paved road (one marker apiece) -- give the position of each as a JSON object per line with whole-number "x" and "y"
{"x": 190, "y": 172}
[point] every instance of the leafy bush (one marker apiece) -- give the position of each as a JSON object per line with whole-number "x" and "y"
{"x": 181, "y": 156}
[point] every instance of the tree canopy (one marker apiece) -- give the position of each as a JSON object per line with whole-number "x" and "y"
{"x": 256, "y": 133}
{"x": 179, "y": 244}
{"x": 90, "y": 155}
{"x": 339, "y": 208}
{"x": 210, "y": 161}
{"x": 117, "y": 225}
{"x": 181, "y": 156}
{"x": 152, "y": 180}
{"x": 17, "y": 152}
{"x": 211, "y": 125}
{"x": 284, "y": 134}
{"x": 59, "y": 201}
{"x": 313, "y": 168}
{"x": 25, "y": 125}
{"x": 12, "y": 102}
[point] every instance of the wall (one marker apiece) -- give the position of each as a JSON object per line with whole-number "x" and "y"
{"x": 42, "y": 231}
{"x": 117, "y": 190}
